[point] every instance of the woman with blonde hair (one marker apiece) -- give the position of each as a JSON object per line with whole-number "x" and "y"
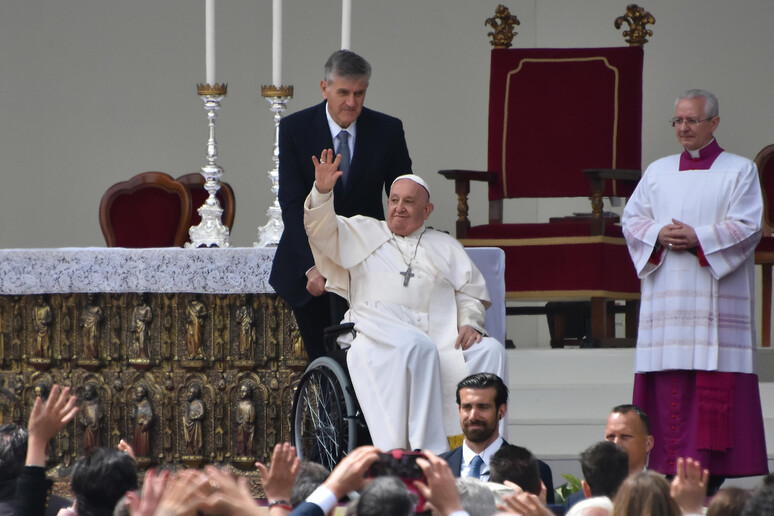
{"x": 645, "y": 494}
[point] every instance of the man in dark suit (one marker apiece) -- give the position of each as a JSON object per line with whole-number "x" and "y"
{"x": 483, "y": 401}
{"x": 374, "y": 153}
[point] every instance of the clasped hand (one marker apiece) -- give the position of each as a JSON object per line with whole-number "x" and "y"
{"x": 326, "y": 170}
{"x": 678, "y": 236}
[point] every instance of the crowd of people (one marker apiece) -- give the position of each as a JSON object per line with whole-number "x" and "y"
{"x": 107, "y": 481}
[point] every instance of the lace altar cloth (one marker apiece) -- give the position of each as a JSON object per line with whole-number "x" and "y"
{"x": 115, "y": 269}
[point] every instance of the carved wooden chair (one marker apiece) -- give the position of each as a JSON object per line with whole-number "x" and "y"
{"x": 577, "y": 257}
{"x": 149, "y": 210}
{"x": 195, "y": 184}
{"x": 764, "y": 253}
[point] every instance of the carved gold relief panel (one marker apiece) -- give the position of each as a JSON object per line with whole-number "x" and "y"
{"x": 186, "y": 379}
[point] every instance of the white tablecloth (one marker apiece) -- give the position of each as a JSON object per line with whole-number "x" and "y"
{"x": 113, "y": 270}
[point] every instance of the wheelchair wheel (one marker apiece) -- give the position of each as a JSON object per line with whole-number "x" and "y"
{"x": 324, "y": 414}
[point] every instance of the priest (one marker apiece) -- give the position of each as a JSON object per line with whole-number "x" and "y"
{"x": 418, "y": 304}
{"x": 692, "y": 225}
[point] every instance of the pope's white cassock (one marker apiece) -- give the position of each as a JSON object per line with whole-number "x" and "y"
{"x": 403, "y": 363}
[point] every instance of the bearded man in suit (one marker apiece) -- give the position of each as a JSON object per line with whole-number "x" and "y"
{"x": 483, "y": 402}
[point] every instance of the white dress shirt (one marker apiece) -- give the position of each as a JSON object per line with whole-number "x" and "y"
{"x": 486, "y": 456}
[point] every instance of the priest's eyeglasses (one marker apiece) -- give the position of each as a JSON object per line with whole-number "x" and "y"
{"x": 690, "y": 121}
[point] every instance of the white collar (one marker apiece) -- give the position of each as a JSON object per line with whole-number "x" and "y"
{"x": 486, "y": 455}
{"x": 697, "y": 153}
{"x": 416, "y": 234}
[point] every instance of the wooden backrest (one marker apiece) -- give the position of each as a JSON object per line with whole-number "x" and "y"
{"x": 195, "y": 184}
{"x": 555, "y": 112}
{"x": 149, "y": 210}
{"x": 765, "y": 163}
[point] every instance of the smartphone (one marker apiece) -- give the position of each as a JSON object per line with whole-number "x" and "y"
{"x": 402, "y": 464}
{"x": 398, "y": 463}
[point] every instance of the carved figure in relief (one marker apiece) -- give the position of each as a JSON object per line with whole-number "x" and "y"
{"x": 143, "y": 417}
{"x": 89, "y": 416}
{"x": 91, "y": 318}
{"x": 142, "y": 317}
{"x": 193, "y": 421}
{"x": 65, "y": 445}
{"x": 42, "y": 318}
{"x": 245, "y": 319}
{"x": 196, "y": 311}
{"x": 298, "y": 342}
{"x": 245, "y": 418}
{"x": 41, "y": 391}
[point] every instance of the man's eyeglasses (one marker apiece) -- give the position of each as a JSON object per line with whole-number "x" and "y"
{"x": 690, "y": 121}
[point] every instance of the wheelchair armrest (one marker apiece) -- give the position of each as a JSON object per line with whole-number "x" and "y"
{"x": 330, "y": 337}
{"x": 338, "y": 329}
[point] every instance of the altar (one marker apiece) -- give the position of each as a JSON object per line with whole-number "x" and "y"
{"x": 187, "y": 354}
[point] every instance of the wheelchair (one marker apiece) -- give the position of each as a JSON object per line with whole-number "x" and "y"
{"x": 327, "y": 422}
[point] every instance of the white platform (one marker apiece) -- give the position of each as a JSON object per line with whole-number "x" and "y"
{"x": 560, "y": 400}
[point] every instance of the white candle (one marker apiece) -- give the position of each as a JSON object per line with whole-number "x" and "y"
{"x": 209, "y": 38}
{"x": 346, "y": 24}
{"x": 276, "y": 43}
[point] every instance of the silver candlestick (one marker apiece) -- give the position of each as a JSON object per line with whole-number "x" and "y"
{"x": 269, "y": 235}
{"x": 211, "y": 232}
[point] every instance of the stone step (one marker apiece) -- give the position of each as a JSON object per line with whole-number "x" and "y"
{"x": 570, "y": 366}
{"x": 588, "y": 401}
{"x": 560, "y": 399}
{"x": 558, "y": 436}
{"x": 578, "y": 401}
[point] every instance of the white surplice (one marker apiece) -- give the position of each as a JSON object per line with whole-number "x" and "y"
{"x": 695, "y": 317}
{"x": 402, "y": 362}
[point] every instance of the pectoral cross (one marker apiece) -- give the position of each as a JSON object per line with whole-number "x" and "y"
{"x": 407, "y": 275}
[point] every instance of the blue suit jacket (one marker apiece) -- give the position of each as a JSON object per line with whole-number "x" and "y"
{"x": 307, "y": 509}
{"x": 454, "y": 459}
{"x": 380, "y": 156}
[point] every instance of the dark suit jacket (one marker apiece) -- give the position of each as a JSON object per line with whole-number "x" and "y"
{"x": 454, "y": 459}
{"x": 33, "y": 494}
{"x": 380, "y": 156}
{"x": 307, "y": 509}
{"x": 573, "y": 499}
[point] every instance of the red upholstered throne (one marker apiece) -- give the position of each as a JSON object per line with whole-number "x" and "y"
{"x": 562, "y": 123}
{"x": 149, "y": 210}
{"x": 764, "y": 253}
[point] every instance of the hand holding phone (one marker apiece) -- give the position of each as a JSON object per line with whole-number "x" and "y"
{"x": 402, "y": 464}
{"x": 398, "y": 463}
